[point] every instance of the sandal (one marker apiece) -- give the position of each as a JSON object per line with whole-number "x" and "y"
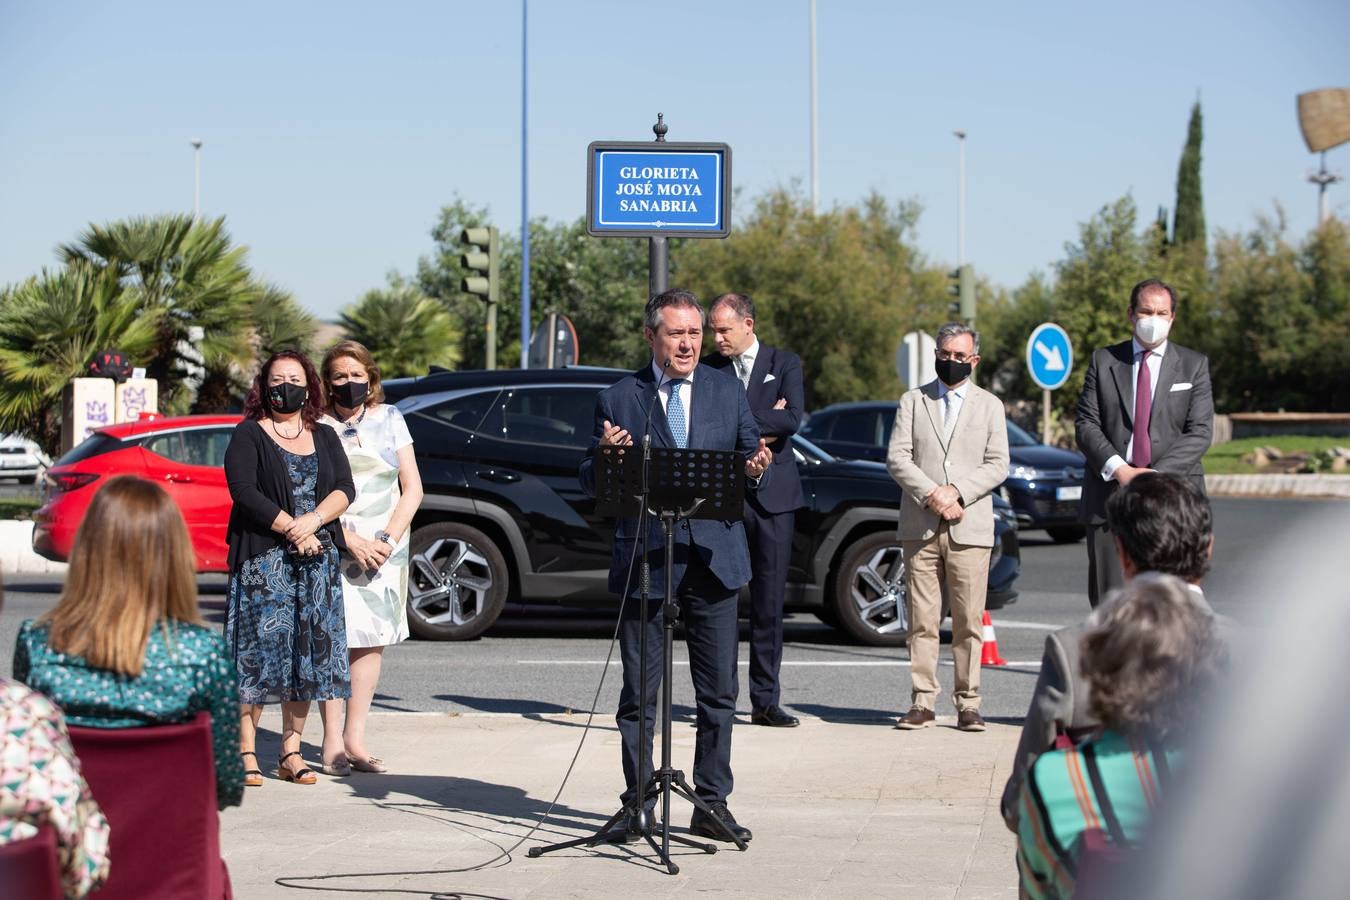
{"x": 252, "y": 777}
{"x": 285, "y": 773}
{"x": 342, "y": 768}
{"x": 372, "y": 764}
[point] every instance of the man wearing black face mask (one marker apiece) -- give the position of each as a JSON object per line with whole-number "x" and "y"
{"x": 948, "y": 452}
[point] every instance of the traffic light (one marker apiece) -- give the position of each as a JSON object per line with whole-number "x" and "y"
{"x": 962, "y": 290}
{"x": 481, "y": 256}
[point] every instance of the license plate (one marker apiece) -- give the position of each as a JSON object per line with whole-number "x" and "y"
{"x": 1072, "y": 492}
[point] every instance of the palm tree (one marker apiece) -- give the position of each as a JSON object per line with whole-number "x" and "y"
{"x": 404, "y": 329}
{"x": 50, "y": 328}
{"x": 278, "y": 323}
{"x": 194, "y": 277}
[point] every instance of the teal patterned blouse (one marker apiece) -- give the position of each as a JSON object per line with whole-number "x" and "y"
{"x": 188, "y": 673}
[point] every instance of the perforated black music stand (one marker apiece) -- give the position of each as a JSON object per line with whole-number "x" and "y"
{"x": 679, "y": 484}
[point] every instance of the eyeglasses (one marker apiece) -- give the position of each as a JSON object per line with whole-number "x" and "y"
{"x": 954, "y": 357}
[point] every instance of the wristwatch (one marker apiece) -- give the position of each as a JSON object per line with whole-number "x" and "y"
{"x": 383, "y": 536}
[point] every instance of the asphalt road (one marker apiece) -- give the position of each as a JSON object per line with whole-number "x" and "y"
{"x": 541, "y": 664}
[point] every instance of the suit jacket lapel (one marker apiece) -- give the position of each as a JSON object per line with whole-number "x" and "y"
{"x": 1122, "y": 372}
{"x": 934, "y": 408}
{"x": 645, "y": 395}
{"x": 759, "y": 370}
{"x": 1169, "y": 367}
{"x": 700, "y": 396}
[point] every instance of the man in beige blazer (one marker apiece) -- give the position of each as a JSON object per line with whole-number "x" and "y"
{"x": 948, "y": 452}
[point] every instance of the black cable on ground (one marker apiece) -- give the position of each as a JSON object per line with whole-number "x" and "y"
{"x": 288, "y": 881}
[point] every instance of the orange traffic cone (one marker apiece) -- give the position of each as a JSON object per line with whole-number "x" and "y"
{"x": 989, "y": 655}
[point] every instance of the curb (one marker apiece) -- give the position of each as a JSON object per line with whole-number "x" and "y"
{"x": 16, "y": 551}
{"x": 1284, "y": 485}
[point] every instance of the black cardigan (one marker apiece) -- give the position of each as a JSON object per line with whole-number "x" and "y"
{"x": 261, "y": 488}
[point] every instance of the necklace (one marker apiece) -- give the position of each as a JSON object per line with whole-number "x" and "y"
{"x": 276, "y": 426}
{"x": 349, "y": 430}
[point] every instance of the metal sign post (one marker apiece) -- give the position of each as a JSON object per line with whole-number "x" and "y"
{"x": 1049, "y": 360}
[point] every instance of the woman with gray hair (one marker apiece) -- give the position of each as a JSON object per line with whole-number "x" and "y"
{"x": 1148, "y": 657}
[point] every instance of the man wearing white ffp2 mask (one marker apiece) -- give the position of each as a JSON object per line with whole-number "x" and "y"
{"x": 1146, "y": 405}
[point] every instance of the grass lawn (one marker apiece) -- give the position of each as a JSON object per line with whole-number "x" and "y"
{"x": 1226, "y": 459}
{"x": 17, "y": 507}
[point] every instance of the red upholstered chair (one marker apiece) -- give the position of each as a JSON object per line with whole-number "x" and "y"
{"x": 157, "y": 786}
{"x": 30, "y": 869}
{"x": 1099, "y": 864}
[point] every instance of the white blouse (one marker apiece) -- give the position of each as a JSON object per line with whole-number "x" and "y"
{"x": 381, "y": 429}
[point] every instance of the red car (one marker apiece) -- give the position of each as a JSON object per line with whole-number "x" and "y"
{"x": 185, "y": 454}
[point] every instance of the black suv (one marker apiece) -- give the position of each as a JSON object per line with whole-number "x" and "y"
{"x": 1043, "y": 484}
{"x": 504, "y": 519}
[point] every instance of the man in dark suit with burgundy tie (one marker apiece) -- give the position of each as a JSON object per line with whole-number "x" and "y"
{"x": 772, "y": 378}
{"x": 1147, "y": 405}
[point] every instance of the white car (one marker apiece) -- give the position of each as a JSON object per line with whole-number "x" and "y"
{"x": 21, "y": 459}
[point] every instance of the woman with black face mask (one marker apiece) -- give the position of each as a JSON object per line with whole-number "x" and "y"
{"x": 284, "y": 622}
{"x": 375, "y": 529}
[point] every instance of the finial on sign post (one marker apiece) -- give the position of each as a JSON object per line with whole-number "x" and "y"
{"x": 660, "y": 128}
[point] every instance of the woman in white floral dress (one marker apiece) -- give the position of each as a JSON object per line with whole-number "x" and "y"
{"x": 376, "y": 525}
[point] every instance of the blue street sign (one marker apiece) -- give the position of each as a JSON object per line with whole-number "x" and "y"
{"x": 1049, "y": 356}
{"x": 658, "y": 188}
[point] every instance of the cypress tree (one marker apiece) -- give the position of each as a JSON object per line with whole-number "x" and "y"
{"x": 1188, "y": 226}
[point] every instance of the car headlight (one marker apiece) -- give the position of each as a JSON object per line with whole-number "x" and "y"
{"x": 1025, "y": 473}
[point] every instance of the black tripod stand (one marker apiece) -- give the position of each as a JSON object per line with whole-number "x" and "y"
{"x": 707, "y": 484}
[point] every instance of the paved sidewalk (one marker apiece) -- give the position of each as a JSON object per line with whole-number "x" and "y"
{"x": 838, "y": 809}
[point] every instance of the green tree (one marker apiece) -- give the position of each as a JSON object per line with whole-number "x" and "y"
{"x": 1285, "y": 319}
{"x": 1005, "y": 323}
{"x": 277, "y": 323}
{"x": 1188, "y": 228}
{"x": 404, "y": 329}
{"x": 599, "y": 283}
{"x": 1092, "y": 288}
{"x": 280, "y": 323}
{"x": 193, "y": 276}
{"x": 839, "y": 287}
{"x": 50, "y": 328}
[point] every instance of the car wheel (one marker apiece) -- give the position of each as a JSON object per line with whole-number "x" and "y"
{"x": 869, "y": 591}
{"x": 1066, "y": 534}
{"x": 457, "y": 582}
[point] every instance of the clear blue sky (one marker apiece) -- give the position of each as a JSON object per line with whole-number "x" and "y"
{"x": 333, "y": 132}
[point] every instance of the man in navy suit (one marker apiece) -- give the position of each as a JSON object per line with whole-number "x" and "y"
{"x": 772, "y": 378}
{"x": 699, "y": 408}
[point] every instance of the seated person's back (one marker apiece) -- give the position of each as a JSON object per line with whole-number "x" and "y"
{"x": 41, "y": 785}
{"x": 1148, "y": 662}
{"x": 124, "y": 647}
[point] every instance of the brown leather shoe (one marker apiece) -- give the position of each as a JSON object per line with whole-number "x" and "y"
{"x": 969, "y": 720}
{"x": 917, "y": 717}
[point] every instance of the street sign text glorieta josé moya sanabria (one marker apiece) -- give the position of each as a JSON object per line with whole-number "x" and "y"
{"x": 658, "y": 189}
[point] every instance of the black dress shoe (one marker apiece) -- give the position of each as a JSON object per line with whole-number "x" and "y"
{"x": 774, "y": 717}
{"x": 703, "y": 825}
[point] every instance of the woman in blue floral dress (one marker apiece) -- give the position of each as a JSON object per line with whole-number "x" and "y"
{"x": 284, "y": 623}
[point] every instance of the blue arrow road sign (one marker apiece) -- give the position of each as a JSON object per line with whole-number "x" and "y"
{"x": 650, "y": 189}
{"x": 1049, "y": 356}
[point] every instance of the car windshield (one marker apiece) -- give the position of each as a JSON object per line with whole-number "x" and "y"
{"x": 94, "y": 445}
{"x": 1019, "y": 438}
{"x": 809, "y": 452}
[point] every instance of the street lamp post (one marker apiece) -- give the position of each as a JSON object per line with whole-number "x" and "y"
{"x": 815, "y": 125}
{"x": 961, "y": 201}
{"x": 524, "y": 184}
{"x": 197, "y": 179}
